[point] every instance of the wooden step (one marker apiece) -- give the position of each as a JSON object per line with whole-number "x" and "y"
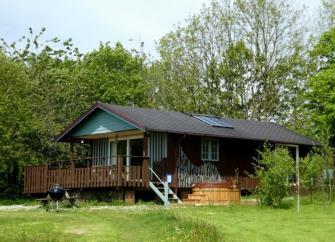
{"x": 197, "y": 193}
{"x": 193, "y": 202}
{"x": 190, "y": 200}
{"x": 197, "y": 196}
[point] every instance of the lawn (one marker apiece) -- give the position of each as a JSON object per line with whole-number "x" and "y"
{"x": 316, "y": 222}
{"x": 255, "y": 223}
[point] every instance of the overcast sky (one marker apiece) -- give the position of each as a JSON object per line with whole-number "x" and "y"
{"x": 89, "y": 22}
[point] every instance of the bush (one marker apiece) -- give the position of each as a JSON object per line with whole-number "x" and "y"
{"x": 273, "y": 169}
{"x": 314, "y": 171}
{"x": 311, "y": 168}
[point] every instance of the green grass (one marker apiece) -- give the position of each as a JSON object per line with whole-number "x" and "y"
{"x": 316, "y": 222}
{"x": 257, "y": 223}
{"x": 18, "y": 201}
{"x": 102, "y": 225}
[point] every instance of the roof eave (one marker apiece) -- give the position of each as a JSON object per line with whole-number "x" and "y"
{"x": 313, "y": 143}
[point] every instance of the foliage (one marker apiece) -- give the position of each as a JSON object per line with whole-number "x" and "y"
{"x": 17, "y": 127}
{"x": 237, "y": 58}
{"x": 273, "y": 169}
{"x": 327, "y": 15}
{"x": 310, "y": 169}
{"x": 114, "y": 75}
{"x": 321, "y": 90}
{"x": 47, "y": 84}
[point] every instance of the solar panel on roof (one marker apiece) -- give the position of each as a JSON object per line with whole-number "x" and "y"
{"x": 214, "y": 121}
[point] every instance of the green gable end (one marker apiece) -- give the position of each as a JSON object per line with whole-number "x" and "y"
{"x": 99, "y": 122}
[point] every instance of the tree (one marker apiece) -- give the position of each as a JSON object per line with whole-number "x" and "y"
{"x": 273, "y": 169}
{"x": 237, "y": 58}
{"x": 32, "y": 76}
{"x": 114, "y": 75}
{"x": 321, "y": 90}
{"x": 327, "y": 15}
{"x": 15, "y": 129}
{"x": 47, "y": 84}
{"x": 311, "y": 168}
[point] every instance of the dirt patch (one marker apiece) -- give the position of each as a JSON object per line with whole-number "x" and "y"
{"x": 128, "y": 208}
{"x": 77, "y": 231}
{"x": 18, "y": 207}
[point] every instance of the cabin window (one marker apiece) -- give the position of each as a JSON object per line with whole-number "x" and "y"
{"x": 210, "y": 149}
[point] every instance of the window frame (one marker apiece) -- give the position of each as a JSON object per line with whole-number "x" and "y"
{"x": 208, "y": 142}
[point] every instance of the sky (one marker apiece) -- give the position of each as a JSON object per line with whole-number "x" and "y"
{"x": 89, "y": 22}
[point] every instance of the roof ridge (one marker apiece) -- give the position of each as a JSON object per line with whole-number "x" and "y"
{"x": 146, "y": 108}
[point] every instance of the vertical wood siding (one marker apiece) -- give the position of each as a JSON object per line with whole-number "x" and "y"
{"x": 100, "y": 152}
{"x": 157, "y": 148}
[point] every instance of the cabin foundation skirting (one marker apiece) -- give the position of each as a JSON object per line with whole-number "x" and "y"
{"x": 108, "y": 195}
{"x": 127, "y": 195}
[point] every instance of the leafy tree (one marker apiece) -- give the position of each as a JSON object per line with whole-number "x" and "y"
{"x": 273, "y": 169}
{"x": 321, "y": 90}
{"x": 327, "y": 15}
{"x": 45, "y": 85}
{"x": 238, "y": 58}
{"x": 16, "y": 129}
{"x": 32, "y": 78}
{"x": 114, "y": 75}
{"x": 310, "y": 170}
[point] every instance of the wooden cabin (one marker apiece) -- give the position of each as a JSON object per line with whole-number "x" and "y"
{"x": 133, "y": 149}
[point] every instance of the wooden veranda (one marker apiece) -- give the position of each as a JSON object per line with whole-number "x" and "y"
{"x": 39, "y": 178}
{"x": 80, "y": 173}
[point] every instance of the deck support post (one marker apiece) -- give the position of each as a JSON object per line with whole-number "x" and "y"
{"x": 166, "y": 194}
{"x": 145, "y": 173}
{"x": 129, "y": 196}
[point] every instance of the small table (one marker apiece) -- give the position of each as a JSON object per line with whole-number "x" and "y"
{"x": 48, "y": 202}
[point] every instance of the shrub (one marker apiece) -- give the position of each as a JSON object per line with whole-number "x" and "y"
{"x": 314, "y": 170}
{"x": 311, "y": 168}
{"x": 273, "y": 169}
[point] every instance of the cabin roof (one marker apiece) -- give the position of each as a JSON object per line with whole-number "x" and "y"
{"x": 148, "y": 120}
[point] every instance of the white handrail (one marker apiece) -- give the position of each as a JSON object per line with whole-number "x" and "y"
{"x": 156, "y": 175}
{"x": 167, "y": 189}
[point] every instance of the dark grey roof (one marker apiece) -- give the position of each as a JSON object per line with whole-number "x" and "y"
{"x": 177, "y": 122}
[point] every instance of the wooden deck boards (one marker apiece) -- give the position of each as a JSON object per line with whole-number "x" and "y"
{"x": 38, "y": 179}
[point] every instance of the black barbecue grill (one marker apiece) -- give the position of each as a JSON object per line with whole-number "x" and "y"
{"x": 56, "y": 193}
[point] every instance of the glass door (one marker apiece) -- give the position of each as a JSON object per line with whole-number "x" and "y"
{"x": 130, "y": 150}
{"x": 122, "y": 150}
{"x": 136, "y": 152}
